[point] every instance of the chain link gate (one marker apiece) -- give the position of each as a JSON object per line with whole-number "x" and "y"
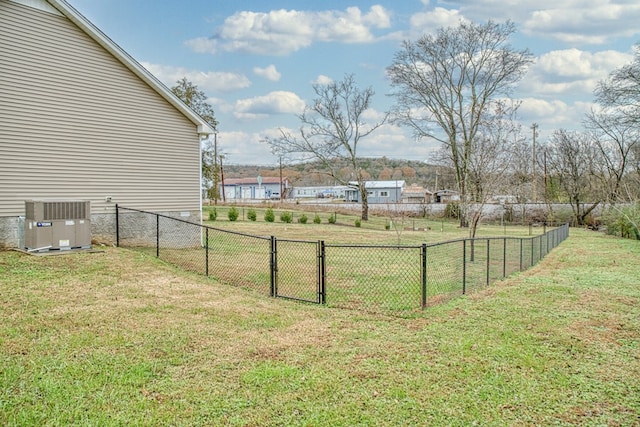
{"x": 297, "y": 270}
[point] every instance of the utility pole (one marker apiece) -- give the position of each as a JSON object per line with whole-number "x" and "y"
{"x": 222, "y": 175}
{"x": 281, "y": 192}
{"x": 533, "y": 162}
{"x": 546, "y": 197}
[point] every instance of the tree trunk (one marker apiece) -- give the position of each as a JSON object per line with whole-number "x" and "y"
{"x": 365, "y": 203}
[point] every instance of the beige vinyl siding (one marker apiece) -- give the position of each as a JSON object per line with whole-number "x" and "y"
{"x": 76, "y": 123}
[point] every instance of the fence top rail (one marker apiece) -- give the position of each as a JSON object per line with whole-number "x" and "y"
{"x": 466, "y": 239}
{"x": 355, "y": 245}
{"x": 296, "y": 240}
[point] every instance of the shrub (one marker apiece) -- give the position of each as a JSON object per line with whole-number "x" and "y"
{"x": 623, "y": 222}
{"x": 213, "y": 214}
{"x": 233, "y": 213}
{"x": 269, "y": 216}
{"x": 452, "y": 210}
{"x": 316, "y": 219}
{"x": 251, "y": 214}
{"x": 286, "y": 217}
{"x": 358, "y": 223}
{"x": 332, "y": 219}
{"x": 302, "y": 219}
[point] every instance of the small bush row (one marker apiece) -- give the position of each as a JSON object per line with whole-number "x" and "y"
{"x": 269, "y": 216}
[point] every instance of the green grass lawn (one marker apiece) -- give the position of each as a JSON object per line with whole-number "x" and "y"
{"x": 379, "y": 229}
{"x": 121, "y": 338}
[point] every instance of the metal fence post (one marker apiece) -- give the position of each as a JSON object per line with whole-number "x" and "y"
{"x": 157, "y": 236}
{"x": 521, "y": 252}
{"x": 117, "y": 227}
{"x": 464, "y": 266}
{"x": 273, "y": 267}
{"x": 488, "y": 264}
{"x": 322, "y": 278}
{"x": 423, "y": 274}
{"x": 206, "y": 251}
{"x": 504, "y": 258}
{"x": 531, "y": 265}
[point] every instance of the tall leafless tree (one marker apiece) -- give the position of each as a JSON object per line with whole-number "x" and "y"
{"x": 616, "y": 126}
{"x": 445, "y": 84}
{"x": 332, "y": 128}
{"x": 572, "y": 158}
{"x": 618, "y": 140}
{"x": 621, "y": 90}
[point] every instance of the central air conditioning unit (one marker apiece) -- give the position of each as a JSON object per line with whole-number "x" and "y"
{"x": 57, "y": 225}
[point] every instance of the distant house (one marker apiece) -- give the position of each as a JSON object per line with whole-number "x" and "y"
{"x": 82, "y": 120}
{"x": 416, "y": 194}
{"x": 259, "y": 188}
{"x": 377, "y": 191}
{"x": 446, "y": 196}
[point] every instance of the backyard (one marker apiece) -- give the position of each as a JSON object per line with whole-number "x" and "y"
{"x": 118, "y": 337}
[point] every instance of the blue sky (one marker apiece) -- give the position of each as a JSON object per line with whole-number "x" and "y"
{"x": 257, "y": 60}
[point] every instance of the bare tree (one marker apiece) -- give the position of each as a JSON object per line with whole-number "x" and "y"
{"x": 445, "y": 83}
{"x": 332, "y": 128}
{"x": 572, "y": 157}
{"x": 617, "y": 139}
{"x": 621, "y": 90}
{"x": 493, "y": 152}
{"x": 617, "y": 129}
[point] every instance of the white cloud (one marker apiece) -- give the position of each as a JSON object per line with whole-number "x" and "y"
{"x": 322, "y": 80}
{"x": 428, "y": 21}
{"x": 210, "y": 81}
{"x": 269, "y": 73}
{"x": 571, "y": 71}
{"x": 280, "y": 32}
{"x": 573, "y": 22}
{"x": 279, "y": 102}
{"x": 553, "y": 114}
{"x": 593, "y": 22}
{"x": 245, "y": 148}
{"x": 378, "y": 17}
{"x": 202, "y": 45}
{"x": 394, "y": 141}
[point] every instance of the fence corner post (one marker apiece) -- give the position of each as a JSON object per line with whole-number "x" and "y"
{"x": 117, "y": 227}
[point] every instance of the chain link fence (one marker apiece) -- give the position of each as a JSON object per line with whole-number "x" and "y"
{"x": 393, "y": 279}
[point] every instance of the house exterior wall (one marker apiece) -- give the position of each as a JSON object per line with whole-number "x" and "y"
{"x": 377, "y": 193}
{"x": 248, "y": 189}
{"x": 77, "y": 124}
